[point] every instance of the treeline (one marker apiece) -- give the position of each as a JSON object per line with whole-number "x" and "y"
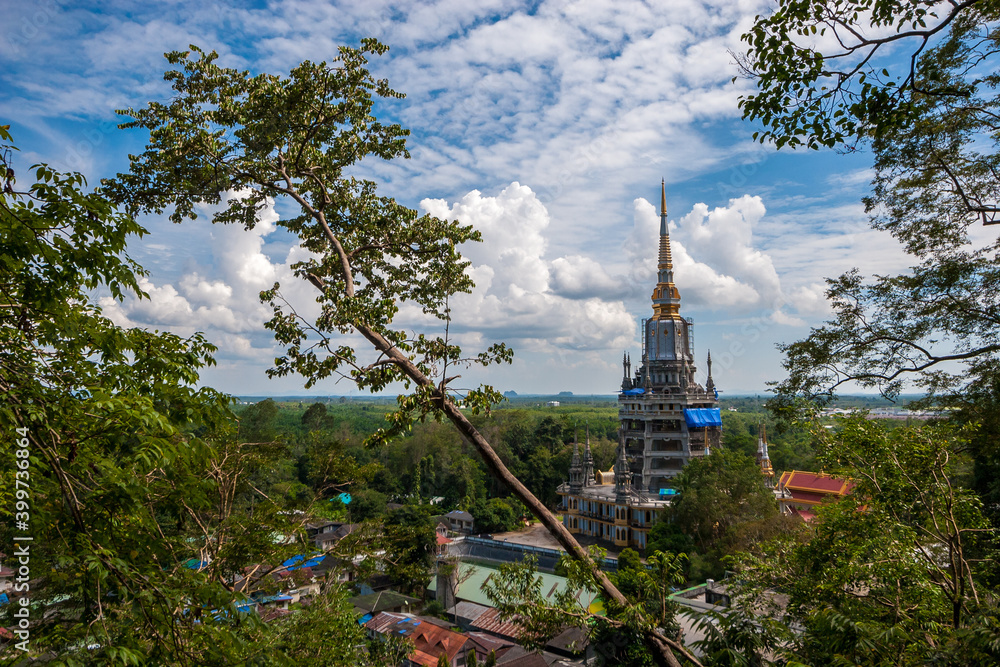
{"x": 327, "y": 452}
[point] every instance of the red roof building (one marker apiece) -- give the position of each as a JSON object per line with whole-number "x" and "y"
{"x": 799, "y": 491}
{"x": 430, "y": 641}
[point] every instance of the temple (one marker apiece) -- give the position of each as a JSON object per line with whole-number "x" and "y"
{"x": 665, "y": 419}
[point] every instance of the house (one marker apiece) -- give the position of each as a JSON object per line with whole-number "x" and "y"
{"x": 798, "y": 492}
{"x": 376, "y": 603}
{"x": 325, "y": 534}
{"x": 441, "y": 534}
{"x": 430, "y": 640}
{"x": 460, "y": 521}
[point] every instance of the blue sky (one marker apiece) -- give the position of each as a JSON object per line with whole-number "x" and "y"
{"x": 547, "y": 125}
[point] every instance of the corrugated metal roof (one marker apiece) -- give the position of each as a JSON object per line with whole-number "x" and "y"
{"x": 490, "y": 621}
{"x": 470, "y": 587}
{"x": 468, "y": 611}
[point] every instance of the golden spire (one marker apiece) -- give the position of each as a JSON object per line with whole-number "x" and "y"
{"x": 666, "y": 262}
{"x": 666, "y": 298}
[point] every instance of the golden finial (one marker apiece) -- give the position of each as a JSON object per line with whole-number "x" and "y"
{"x": 663, "y": 197}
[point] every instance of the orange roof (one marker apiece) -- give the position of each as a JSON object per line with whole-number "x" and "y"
{"x": 815, "y": 483}
{"x": 422, "y": 658}
{"x": 428, "y": 639}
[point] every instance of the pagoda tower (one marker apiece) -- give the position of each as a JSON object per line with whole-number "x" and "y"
{"x": 667, "y": 418}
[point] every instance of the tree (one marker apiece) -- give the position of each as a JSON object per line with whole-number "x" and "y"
{"x": 133, "y": 484}
{"x": 628, "y": 559}
{"x": 410, "y": 541}
{"x": 666, "y": 570}
{"x": 666, "y": 536}
{"x": 719, "y": 494}
{"x": 896, "y": 572}
{"x": 367, "y": 504}
{"x": 117, "y": 440}
{"x": 263, "y": 138}
{"x": 315, "y": 418}
{"x": 327, "y": 634}
{"x": 930, "y": 119}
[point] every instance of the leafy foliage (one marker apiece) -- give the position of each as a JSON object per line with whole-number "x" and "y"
{"x": 894, "y": 573}
{"x": 930, "y": 119}
{"x": 720, "y": 496}
{"x": 142, "y": 494}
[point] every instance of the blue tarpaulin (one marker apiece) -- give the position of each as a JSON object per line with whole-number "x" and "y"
{"x": 296, "y": 562}
{"x": 702, "y": 417}
{"x": 638, "y": 391}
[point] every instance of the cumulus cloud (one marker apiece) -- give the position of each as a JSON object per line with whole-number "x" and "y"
{"x": 220, "y": 296}
{"x": 717, "y": 264}
{"x": 522, "y": 295}
{"x": 700, "y": 283}
{"x": 575, "y": 276}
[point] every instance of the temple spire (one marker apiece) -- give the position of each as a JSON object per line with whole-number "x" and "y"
{"x": 710, "y": 385}
{"x": 665, "y": 262}
{"x": 576, "y": 468}
{"x": 763, "y": 459}
{"x": 626, "y": 382}
{"x": 666, "y": 298}
{"x": 623, "y": 475}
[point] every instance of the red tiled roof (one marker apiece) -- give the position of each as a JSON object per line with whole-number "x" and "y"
{"x": 806, "y": 515}
{"x": 443, "y": 540}
{"x": 820, "y": 483}
{"x": 427, "y": 638}
{"x": 810, "y": 498}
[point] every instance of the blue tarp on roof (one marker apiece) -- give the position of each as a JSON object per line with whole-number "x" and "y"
{"x": 295, "y": 562}
{"x": 638, "y": 391}
{"x": 702, "y": 417}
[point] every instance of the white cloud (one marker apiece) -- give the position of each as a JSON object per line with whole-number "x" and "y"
{"x": 225, "y": 304}
{"x": 726, "y": 277}
{"x": 577, "y": 276}
{"x": 521, "y": 295}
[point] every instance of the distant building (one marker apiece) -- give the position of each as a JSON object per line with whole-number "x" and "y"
{"x": 799, "y": 492}
{"x": 552, "y": 404}
{"x": 666, "y": 419}
{"x": 460, "y": 521}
